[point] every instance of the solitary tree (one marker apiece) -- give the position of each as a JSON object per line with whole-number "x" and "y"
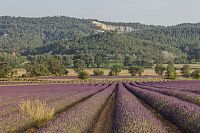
{"x": 196, "y": 74}
{"x": 5, "y": 70}
{"x": 171, "y": 71}
{"x": 185, "y": 71}
{"x": 56, "y": 66}
{"x": 79, "y": 65}
{"x": 115, "y": 70}
{"x": 159, "y": 69}
{"x": 134, "y": 70}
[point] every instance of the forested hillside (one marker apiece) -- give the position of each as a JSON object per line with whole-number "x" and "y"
{"x": 19, "y": 32}
{"x": 185, "y": 37}
{"x": 81, "y": 38}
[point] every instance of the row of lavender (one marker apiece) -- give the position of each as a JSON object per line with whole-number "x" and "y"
{"x": 130, "y": 115}
{"x": 81, "y": 117}
{"x": 174, "y": 100}
{"x": 57, "y": 96}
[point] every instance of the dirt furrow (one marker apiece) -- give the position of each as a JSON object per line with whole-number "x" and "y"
{"x": 104, "y": 122}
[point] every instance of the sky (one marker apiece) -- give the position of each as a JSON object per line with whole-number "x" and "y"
{"x": 156, "y": 12}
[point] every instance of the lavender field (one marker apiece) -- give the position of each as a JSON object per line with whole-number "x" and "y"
{"x": 123, "y": 107}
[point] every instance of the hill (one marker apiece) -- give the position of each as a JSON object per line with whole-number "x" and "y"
{"x": 105, "y": 41}
{"x": 111, "y": 46}
{"x": 20, "y": 32}
{"x": 17, "y": 33}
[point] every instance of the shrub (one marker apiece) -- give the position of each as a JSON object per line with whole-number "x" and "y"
{"x": 98, "y": 72}
{"x": 83, "y": 75}
{"x": 37, "y": 110}
{"x": 196, "y": 74}
{"x": 110, "y": 73}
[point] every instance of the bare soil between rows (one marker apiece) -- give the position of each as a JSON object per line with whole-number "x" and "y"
{"x": 105, "y": 120}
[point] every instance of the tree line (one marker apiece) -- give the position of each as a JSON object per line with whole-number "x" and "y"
{"x": 45, "y": 65}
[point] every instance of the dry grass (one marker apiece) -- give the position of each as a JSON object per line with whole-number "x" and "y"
{"x": 19, "y": 72}
{"x": 149, "y": 72}
{"x": 37, "y": 110}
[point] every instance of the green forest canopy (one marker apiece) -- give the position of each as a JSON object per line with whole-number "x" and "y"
{"x": 80, "y": 39}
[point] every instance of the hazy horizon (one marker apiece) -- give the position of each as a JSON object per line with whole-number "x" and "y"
{"x": 152, "y": 12}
